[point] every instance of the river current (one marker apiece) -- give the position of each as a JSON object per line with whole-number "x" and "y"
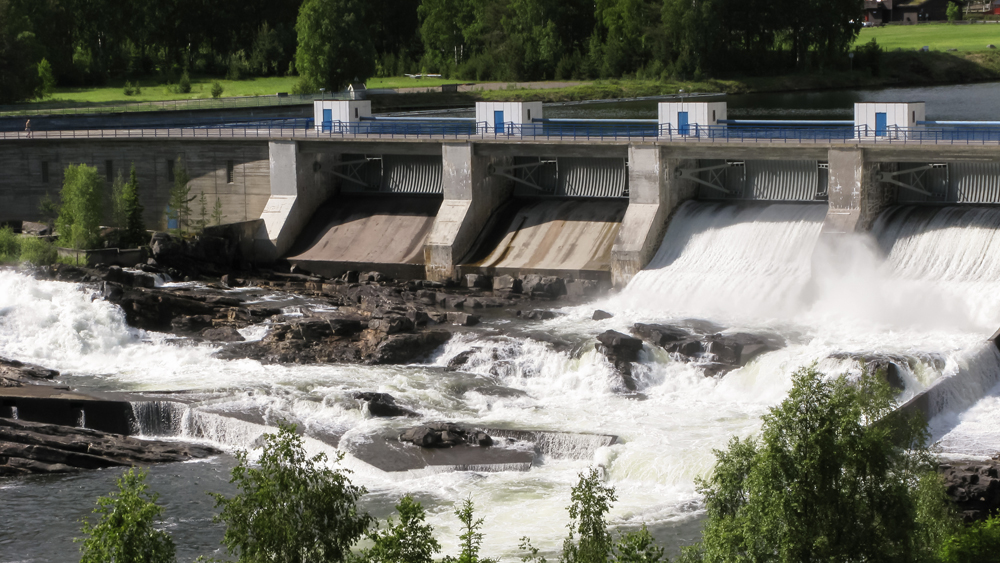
{"x": 922, "y": 286}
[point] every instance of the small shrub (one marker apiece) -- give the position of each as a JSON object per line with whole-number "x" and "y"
{"x": 82, "y": 207}
{"x": 128, "y": 90}
{"x": 471, "y": 539}
{"x": 184, "y": 85}
{"x": 979, "y": 541}
{"x": 411, "y": 540}
{"x": 217, "y": 89}
{"x": 47, "y": 77}
{"x": 289, "y": 507}
{"x": 10, "y": 245}
{"x": 124, "y": 531}
{"x": 38, "y": 251}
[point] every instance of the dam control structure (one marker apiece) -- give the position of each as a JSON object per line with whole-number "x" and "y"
{"x": 510, "y": 191}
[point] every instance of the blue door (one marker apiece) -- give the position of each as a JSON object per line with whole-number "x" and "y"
{"x": 327, "y": 120}
{"x": 498, "y": 121}
{"x": 682, "y": 123}
{"x": 880, "y": 127}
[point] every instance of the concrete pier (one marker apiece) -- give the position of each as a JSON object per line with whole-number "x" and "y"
{"x": 471, "y": 196}
{"x": 655, "y": 190}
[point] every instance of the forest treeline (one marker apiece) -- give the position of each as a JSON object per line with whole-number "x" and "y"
{"x": 89, "y": 42}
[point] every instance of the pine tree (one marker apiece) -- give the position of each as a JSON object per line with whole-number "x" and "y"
{"x": 134, "y": 226}
{"x": 180, "y": 197}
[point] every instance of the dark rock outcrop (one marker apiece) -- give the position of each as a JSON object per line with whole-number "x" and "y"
{"x": 444, "y": 435}
{"x": 382, "y": 405}
{"x": 717, "y": 353}
{"x": 600, "y": 315}
{"x": 32, "y": 447}
{"x": 621, "y": 350}
{"x": 406, "y": 348}
{"x": 14, "y": 373}
{"x": 974, "y": 487}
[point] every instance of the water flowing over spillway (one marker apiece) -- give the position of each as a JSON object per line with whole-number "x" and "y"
{"x": 923, "y": 288}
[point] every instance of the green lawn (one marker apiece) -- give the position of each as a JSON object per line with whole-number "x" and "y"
{"x": 201, "y": 87}
{"x": 937, "y": 36}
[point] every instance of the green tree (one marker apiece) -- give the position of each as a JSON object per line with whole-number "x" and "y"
{"x": 334, "y": 48}
{"x": 954, "y": 12}
{"x": 10, "y": 245}
{"x": 179, "y": 208}
{"x": 48, "y": 210}
{"x": 118, "y": 201}
{"x": 411, "y": 540}
{"x": 134, "y": 226}
{"x": 203, "y": 215}
{"x": 471, "y": 539}
{"x": 47, "y": 78}
{"x": 637, "y": 547}
{"x": 217, "y": 89}
{"x": 125, "y": 531}
{"x": 833, "y": 476}
{"x": 217, "y": 215}
{"x": 979, "y": 542}
{"x": 289, "y": 507}
{"x": 589, "y": 540}
{"x": 79, "y": 220}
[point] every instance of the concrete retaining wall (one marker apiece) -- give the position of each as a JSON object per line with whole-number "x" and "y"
{"x": 24, "y": 183}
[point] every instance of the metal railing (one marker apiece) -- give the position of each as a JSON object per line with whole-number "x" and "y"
{"x": 306, "y": 128}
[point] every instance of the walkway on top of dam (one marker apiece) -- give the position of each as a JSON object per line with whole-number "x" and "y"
{"x": 789, "y": 136}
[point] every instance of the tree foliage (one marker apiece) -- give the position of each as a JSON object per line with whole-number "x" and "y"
{"x": 133, "y": 226}
{"x": 589, "y": 540}
{"x": 833, "y": 477}
{"x": 80, "y": 214}
{"x": 334, "y": 47}
{"x": 410, "y": 540}
{"x": 179, "y": 206}
{"x": 290, "y": 508}
{"x": 471, "y": 539}
{"x": 125, "y": 531}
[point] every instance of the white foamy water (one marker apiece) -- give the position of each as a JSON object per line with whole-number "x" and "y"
{"x": 923, "y": 288}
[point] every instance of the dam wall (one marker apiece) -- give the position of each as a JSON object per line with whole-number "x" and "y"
{"x": 237, "y": 173}
{"x": 439, "y": 200}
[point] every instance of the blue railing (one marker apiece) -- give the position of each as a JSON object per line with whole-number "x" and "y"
{"x": 612, "y": 131}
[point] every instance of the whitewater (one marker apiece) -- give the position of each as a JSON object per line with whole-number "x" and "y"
{"x": 923, "y": 287}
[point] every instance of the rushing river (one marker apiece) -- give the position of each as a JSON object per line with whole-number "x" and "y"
{"x": 924, "y": 286}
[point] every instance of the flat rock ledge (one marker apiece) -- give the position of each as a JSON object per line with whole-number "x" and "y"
{"x": 14, "y": 373}
{"x": 32, "y": 447}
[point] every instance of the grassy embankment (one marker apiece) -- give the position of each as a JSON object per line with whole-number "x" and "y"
{"x": 901, "y": 65}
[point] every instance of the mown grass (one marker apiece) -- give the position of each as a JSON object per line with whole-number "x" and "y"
{"x": 937, "y": 36}
{"x": 201, "y": 88}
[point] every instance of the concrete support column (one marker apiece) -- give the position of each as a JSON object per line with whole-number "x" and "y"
{"x": 298, "y": 186}
{"x": 471, "y": 196}
{"x": 654, "y": 192}
{"x": 855, "y": 196}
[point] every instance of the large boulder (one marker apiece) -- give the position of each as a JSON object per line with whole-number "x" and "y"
{"x": 444, "y": 435}
{"x": 974, "y": 487}
{"x": 14, "y": 373}
{"x": 406, "y": 348}
{"x": 382, "y": 405}
{"x": 621, "y": 350}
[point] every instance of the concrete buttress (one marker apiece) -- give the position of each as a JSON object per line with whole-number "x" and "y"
{"x": 855, "y": 197}
{"x": 654, "y": 192}
{"x": 298, "y": 186}
{"x": 471, "y": 196}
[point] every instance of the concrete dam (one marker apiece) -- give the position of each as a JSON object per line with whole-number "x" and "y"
{"x": 510, "y": 192}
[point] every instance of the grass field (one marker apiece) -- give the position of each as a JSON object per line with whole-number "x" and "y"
{"x": 937, "y": 36}
{"x": 201, "y": 87}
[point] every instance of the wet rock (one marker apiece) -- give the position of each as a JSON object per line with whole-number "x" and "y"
{"x": 621, "y": 350}
{"x": 391, "y": 324}
{"x": 657, "y": 334}
{"x": 454, "y": 301}
{"x": 600, "y": 315}
{"x": 406, "y": 348}
{"x": 460, "y": 359}
{"x": 477, "y": 281}
{"x": 974, "y": 487}
{"x": 32, "y": 447}
{"x": 543, "y": 285}
{"x": 351, "y": 276}
{"x": 444, "y": 435}
{"x": 463, "y": 319}
{"x": 222, "y": 334}
{"x": 382, "y": 405}
{"x": 538, "y": 315}
{"x": 885, "y": 364}
{"x": 507, "y": 283}
{"x": 581, "y": 288}
{"x": 14, "y": 373}
{"x": 377, "y": 277}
